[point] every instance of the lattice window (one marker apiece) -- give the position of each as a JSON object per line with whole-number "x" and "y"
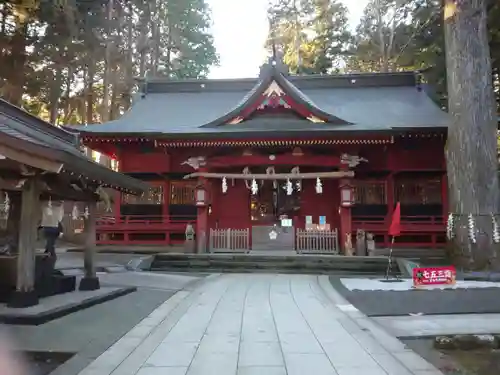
{"x": 370, "y": 192}
{"x": 182, "y": 192}
{"x": 153, "y": 196}
{"x": 418, "y": 191}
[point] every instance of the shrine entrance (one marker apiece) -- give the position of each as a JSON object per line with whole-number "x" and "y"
{"x": 273, "y": 210}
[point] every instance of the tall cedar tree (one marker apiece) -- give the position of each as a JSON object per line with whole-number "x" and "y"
{"x": 471, "y": 150}
{"x": 74, "y": 61}
{"x": 312, "y": 35}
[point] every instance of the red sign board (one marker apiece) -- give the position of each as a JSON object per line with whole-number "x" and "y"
{"x": 434, "y": 276}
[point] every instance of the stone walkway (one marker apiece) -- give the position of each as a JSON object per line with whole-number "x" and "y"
{"x": 259, "y": 325}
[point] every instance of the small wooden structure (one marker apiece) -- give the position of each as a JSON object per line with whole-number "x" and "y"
{"x": 39, "y": 161}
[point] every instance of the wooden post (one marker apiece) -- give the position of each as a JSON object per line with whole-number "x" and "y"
{"x": 25, "y": 294}
{"x": 345, "y": 218}
{"x": 90, "y": 281}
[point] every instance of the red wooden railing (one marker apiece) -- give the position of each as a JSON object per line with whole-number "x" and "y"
{"x": 143, "y": 219}
{"x": 121, "y": 230}
{"x": 411, "y": 227}
{"x": 406, "y": 221}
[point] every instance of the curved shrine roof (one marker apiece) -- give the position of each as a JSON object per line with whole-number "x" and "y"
{"x": 355, "y": 102}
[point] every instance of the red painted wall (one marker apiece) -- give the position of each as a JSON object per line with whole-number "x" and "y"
{"x": 144, "y": 162}
{"x": 315, "y": 205}
{"x": 232, "y": 209}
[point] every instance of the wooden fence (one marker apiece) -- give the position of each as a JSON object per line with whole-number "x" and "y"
{"x": 317, "y": 241}
{"x": 229, "y": 240}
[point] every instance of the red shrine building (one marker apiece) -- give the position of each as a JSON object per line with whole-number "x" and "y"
{"x": 278, "y": 162}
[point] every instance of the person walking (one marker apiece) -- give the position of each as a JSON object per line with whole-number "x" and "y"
{"x": 52, "y": 216}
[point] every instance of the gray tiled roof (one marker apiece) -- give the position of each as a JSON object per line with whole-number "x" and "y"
{"x": 363, "y": 107}
{"x": 41, "y": 138}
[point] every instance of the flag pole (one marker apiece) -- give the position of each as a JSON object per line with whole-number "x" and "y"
{"x": 389, "y": 260}
{"x": 394, "y": 230}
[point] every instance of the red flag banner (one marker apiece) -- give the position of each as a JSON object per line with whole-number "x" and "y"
{"x": 395, "y": 228}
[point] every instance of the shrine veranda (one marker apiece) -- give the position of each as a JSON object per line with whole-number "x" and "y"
{"x": 269, "y": 162}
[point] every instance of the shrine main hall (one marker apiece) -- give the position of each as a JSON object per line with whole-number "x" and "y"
{"x": 278, "y": 162}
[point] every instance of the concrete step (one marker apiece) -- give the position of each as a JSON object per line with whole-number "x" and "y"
{"x": 271, "y": 263}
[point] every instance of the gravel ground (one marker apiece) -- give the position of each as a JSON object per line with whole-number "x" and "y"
{"x": 448, "y": 301}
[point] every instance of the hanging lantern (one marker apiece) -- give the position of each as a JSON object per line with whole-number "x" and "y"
{"x": 346, "y": 195}
{"x": 450, "y": 226}
{"x": 254, "y": 187}
{"x": 75, "y": 213}
{"x": 201, "y": 196}
{"x": 289, "y": 187}
{"x": 496, "y": 232}
{"x": 86, "y": 213}
{"x": 224, "y": 185}
{"x": 472, "y": 229}
{"x": 319, "y": 186}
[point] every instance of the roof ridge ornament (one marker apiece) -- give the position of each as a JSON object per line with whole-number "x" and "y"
{"x": 275, "y": 64}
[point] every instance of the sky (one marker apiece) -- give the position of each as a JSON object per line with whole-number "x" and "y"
{"x": 240, "y": 30}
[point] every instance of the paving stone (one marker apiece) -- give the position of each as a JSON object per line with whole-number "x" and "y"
{"x": 300, "y": 343}
{"x": 163, "y": 371}
{"x": 173, "y": 354}
{"x": 307, "y": 364}
{"x": 260, "y": 354}
{"x": 360, "y": 371}
{"x": 213, "y": 364}
{"x": 219, "y": 343}
{"x": 259, "y": 370}
{"x": 349, "y": 355}
{"x": 391, "y": 365}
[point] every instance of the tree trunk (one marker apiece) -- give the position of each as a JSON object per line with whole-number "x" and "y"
{"x": 471, "y": 150}
{"x": 19, "y": 58}
{"x": 107, "y": 68}
{"x": 89, "y": 90}
{"x": 55, "y": 93}
{"x": 384, "y": 64}
{"x": 130, "y": 58}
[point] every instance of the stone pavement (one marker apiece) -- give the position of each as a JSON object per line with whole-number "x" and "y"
{"x": 258, "y": 324}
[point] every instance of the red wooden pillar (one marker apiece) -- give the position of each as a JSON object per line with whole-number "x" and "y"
{"x": 166, "y": 200}
{"x": 202, "y": 217}
{"x": 165, "y": 210}
{"x": 444, "y": 196}
{"x": 117, "y": 205}
{"x": 345, "y": 217}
